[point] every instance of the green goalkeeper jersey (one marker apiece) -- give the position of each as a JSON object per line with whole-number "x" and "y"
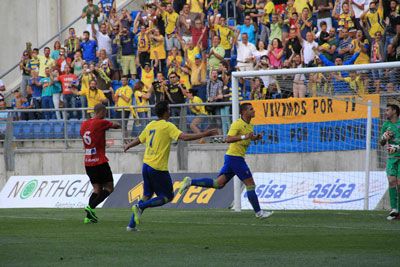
{"x": 395, "y": 140}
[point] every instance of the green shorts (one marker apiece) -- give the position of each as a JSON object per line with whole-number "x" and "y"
{"x": 393, "y": 167}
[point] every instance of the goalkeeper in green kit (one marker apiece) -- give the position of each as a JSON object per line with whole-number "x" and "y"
{"x": 390, "y": 134}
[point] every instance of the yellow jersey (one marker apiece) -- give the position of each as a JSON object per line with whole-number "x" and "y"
{"x": 196, "y": 71}
{"x": 375, "y": 22}
{"x": 239, "y": 128}
{"x": 127, "y": 92}
{"x": 357, "y": 85}
{"x": 176, "y": 62}
{"x": 346, "y": 21}
{"x": 225, "y": 34}
{"x": 93, "y": 98}
{"x": 363, "y": 58}
{"x": 159, "y": 47}
{"x": 197, "y": 110}
{"x": 191, "y": 53}
{"x": 185, "y": 80}
{"x": 170, "y": 22}
{"x": 158, "y": 136}
{"x": 197, "y": 6}
{"x": 268, "y": 10}
{"x": 143, "y": 42}
{"x": 86, "y": 78}
{"x": 140, "y": 101}
{"x": 147, "y": 78}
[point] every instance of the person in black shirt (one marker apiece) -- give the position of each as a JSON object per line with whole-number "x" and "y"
{"x": 249, "y": 9}
{"x": 293, "y": 42}
{"x": 176, "y": 93}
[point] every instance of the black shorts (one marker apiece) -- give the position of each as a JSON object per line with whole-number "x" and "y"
{"x": 100, "y": 174}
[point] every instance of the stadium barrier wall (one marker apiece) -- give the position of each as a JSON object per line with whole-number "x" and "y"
{"x": 73, "y": 191}
{"x": 317, "y": 190}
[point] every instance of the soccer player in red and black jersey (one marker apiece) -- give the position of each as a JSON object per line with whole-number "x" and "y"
{"x": 93, "y": 134}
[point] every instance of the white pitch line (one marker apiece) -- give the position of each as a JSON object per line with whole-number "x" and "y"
{"x": 279, "y": 225}
{"x": 35, "y": 218}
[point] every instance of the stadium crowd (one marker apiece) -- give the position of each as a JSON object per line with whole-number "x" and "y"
{"x": 184, "y": 51}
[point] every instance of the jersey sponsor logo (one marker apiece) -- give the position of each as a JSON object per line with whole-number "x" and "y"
{"x": 90, "y": 151}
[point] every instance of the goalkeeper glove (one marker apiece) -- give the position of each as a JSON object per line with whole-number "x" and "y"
{"x": 393, "y": 148}
{"x": 386, "y": 135}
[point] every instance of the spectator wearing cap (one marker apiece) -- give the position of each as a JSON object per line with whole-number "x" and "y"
{"x": 91, "y": 13}
{"x": 245, "y": 51}
{"x": 323, "y": 10}
{"x": 199, "y": 74}
{"x": 216, "y": 54}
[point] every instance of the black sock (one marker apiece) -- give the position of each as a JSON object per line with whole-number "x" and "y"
{"x": 100, "y": 198}
{"x": 92, "y": 197}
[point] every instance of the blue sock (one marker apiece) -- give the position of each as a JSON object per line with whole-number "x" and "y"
{"x": 205, "y": 182}
{"x": 252, "y": 196}
{"x": 154, "y": 202}
{"x": 132, "y": 223}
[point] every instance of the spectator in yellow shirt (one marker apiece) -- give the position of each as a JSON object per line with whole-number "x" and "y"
{"x": 94, "y": 95}
{"x": 196, "y": 6}
{"x": 374, "y": 18}
{"x": 123, "y": 98}
{"x": 355, "y": 82}
{"x": 141, "y": 99}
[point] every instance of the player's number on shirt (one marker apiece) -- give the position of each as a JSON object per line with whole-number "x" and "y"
{"x": 86, "y": 138}
{"x": 152, "y": 133}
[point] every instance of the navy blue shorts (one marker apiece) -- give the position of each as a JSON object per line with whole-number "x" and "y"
{"x": 227, "y": 54}
{"x": 158, "y": 182}
{"x": 234, "y": 165}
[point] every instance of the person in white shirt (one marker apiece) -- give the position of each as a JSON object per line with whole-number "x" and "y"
{"x": 245, "y": 51}
{"x": 308, "y": 44}
{"x": 103, "y": 38}
{"x": 359, "y": 6}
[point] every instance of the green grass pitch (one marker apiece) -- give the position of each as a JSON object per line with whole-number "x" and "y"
{"x": 170, "y": 237}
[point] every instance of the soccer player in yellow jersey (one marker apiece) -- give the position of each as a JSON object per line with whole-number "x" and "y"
{"x": 157, "y": 136}
{"x": 239, "y": 136}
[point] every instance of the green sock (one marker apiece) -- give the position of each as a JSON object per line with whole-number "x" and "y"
{"x": 393, "y": 197}
{"x": 398, "y": 200}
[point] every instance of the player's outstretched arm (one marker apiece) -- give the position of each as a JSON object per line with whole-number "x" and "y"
{"x": 116, "y": 125}
{"x": 135, "y": 142}
{"x": 189, "y": 137}
{"x": 251, "y": 136}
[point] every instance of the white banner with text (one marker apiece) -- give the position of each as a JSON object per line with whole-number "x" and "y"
{"x": 50, "y": 191}
{"x": 317, "y": 190}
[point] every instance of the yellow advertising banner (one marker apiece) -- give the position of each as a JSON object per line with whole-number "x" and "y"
{"x": 313, "y": 109}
